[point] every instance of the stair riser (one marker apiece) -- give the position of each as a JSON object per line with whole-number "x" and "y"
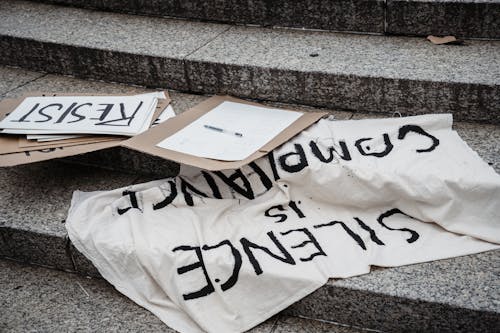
{"x": 347, "y": 15}
{"x": 93, "y": 63}
{"x": 390, "y": 314}
{"x": 466, "y": 19}
{"x": 41, "y": 249}
{"x": 473, "y": 102}
{"x": 129, "y": 161}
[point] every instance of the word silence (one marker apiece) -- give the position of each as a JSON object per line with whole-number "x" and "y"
{"x": 276, "y": 252}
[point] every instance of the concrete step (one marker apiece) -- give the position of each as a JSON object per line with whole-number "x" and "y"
{"x": 44, "y": 300}
{"x": 484, "y": 138}
{"x": 464, "y": 18}
{"x": 458, "y": 295}
{"x": 344, "y": 15}
{"x": 324, "y": 69}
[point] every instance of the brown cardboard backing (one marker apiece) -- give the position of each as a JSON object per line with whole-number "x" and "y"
{"x": 444, "y": 40}
{"x": 12, "y": 154}
{"x": 146, "y": 142}
{"x": 33, "y": 156}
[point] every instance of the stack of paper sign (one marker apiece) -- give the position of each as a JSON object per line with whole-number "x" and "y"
{"x": 219, "y": 133}
{"x": 73, "y": 125}
{"x": 55, "y": 115}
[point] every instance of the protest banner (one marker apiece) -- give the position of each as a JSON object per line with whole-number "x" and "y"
{"x": 223, "y": 250}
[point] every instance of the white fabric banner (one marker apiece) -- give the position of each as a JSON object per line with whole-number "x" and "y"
{"x": 223, "y": 251}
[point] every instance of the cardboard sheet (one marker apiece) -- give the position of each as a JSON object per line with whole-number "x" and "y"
{"x": 32, "y": 156}
{"x": 445, "y": 40}
{"x": 147, "y": 141}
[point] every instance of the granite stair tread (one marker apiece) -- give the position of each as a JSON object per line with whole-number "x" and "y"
{"x": 45, "y": 300}
{"x": 359, "y": 73}
{"x": 467, "y": 18}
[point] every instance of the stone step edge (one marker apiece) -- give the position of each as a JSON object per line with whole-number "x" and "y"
{"x": 386, "y": 17}
{"x": 45, "y": 300}
{"x": 298, "y": 67}
{"x": 350, "y": 307}
{"x": 198, "y": 73}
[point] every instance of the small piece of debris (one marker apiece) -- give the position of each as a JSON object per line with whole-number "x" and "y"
{"x": 83, "y": 289}
{"x": 452, "y": 40}
{"x": 313, "y": 55}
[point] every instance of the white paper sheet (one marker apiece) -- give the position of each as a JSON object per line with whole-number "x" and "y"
{"x": 257, "y": 126}
{"x": 119, "y": 115}
{"x": 165, "y": 115}
{"x": 49, "y": 137}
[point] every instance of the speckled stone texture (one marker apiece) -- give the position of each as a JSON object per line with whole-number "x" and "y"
{"x": 34, "y": 205}
{"x": 354, "y": 72}
{"x": 131, "y": 49}
{"x": 126, "y": 160}
{"x": 345, "y": 15}
{"x": 454, "y": 295}
{"x": 332, "y": 70}
{"x": 464, "y": 18}
{"x": 12, "y": 78}
{"x": 82, "y": 265}
{"x": 36, "y": 247}
{"x": 66, "y": 84}
{"x": 43, "y": 300}
{"x": 480, "y": 139}
{"x": 288, "y": 324}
